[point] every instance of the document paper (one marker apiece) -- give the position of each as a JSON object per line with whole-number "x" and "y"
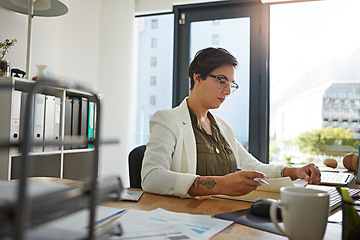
{"x": 265, "y": 191}
{"x": 162, "y": 224}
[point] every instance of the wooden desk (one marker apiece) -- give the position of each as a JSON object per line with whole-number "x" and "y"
{"x": 207, "y": 206}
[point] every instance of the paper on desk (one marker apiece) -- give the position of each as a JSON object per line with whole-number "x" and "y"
{"x": 267, "y": 191}
{"x": 275, "y": 184}
{"x": 162, "y": 224}
{"x": 203, "y": 225}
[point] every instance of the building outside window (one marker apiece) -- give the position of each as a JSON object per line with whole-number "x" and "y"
{"x": 159, "y": 76}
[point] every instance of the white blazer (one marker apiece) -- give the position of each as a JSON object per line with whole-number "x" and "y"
{"x": 169, "y": 165}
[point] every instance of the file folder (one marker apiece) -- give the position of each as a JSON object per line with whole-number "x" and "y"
{"x": 91, "y": 122}
{"x": 22, "y": 116}
{"x": 57, "y": 119}
{"x": 75, "y": 117}
{"x": 95, "y": 112}
{"x": 84, "y": 118}
{"x": 67, "y": 124}
{"x": 49, "y": 121}
{"x": 15, "y": 120}
{"x": 39, "y": 111}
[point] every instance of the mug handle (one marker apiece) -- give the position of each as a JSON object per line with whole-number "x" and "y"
{"x": 273, "y": 216}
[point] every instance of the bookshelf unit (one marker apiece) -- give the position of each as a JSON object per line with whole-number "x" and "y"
{"x": 27, "y": 205}
{"x": 58, "y": 161}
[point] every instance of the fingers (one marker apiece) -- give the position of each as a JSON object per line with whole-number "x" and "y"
{"x": 249, "y": 178}
{"x": 310, "y": 173}
{"x": 313, "y": 173}
{"x": 253, "y": 174}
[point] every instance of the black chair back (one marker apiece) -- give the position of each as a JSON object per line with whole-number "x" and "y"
{"x": 135, "y": 163}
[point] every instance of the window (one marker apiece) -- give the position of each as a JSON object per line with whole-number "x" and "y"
{"x": 240, "y": 23}
{"x": 153, "y": 62}
{"x": 201, "y": 30}
{"x": 154, "y": 24}
{"x": 314, "y": 80}
{"x": 216, "y": 22}
{"x": 154, "y": 43}
{"x": 160, "y": 76}
{"x": 153, "y": 81}
{"x": 215, "y": 40}
{"x": 152, "y": 100}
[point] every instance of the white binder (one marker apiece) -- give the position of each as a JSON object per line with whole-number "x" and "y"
{"x": 57, "y": 118}
{"x": 23, "y": 121}
{"x": 15, "y": 120}
{"x": 39, "y": 109}
{"x": 49, "y": 121}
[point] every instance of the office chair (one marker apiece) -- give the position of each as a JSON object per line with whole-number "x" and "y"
{"x": 135, "y": 162}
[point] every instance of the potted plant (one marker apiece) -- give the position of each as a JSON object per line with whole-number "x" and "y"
{"x": 4, "y": 48}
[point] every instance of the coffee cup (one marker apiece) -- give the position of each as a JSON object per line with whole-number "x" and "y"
{"x": 304, "y": 212}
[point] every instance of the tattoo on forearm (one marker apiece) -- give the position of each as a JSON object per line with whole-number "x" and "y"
{"x": 209, "y": 183}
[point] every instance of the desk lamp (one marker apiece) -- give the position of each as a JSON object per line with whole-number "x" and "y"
{"x": 41, "y": 8}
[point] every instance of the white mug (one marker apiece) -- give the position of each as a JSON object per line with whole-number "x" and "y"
{"x": 304, "y": 212}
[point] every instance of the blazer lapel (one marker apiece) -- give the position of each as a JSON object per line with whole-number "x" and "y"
{"x": 189, "y": 144}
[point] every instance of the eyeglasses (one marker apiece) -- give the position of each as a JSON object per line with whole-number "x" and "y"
{"x": 223, "y": 82}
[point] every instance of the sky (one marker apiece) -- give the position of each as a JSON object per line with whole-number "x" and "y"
{"x": 306, "y": 36}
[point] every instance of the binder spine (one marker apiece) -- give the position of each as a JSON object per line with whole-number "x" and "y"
{"x": 15, "y": 120}
{"x": 49, "y": 121}
{"x": 39, "y": 112}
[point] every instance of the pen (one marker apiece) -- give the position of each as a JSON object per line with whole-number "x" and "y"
{"x": 256, "y": 179}
{"x": 106, "y": 219}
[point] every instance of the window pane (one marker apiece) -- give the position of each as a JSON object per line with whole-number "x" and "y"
{"x": 314, "y": 80}
{"x": 234, "y": 36}
{"x": 154, "y": 71}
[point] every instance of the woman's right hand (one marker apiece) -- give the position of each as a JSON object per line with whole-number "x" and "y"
{"x": 239, "y": 183}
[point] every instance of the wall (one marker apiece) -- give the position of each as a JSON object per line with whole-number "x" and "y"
{"x": 116, "y": 81}
{"x": 91, "y": 44}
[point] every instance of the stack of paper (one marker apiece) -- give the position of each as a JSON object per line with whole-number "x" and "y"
{"x": 162, "y": 224}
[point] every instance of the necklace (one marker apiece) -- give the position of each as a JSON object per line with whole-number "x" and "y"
{"x": 215, "y": 143}
{"x": 210, "y": 136}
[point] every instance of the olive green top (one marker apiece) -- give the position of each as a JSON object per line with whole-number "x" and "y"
{"x": 214, "y": 155}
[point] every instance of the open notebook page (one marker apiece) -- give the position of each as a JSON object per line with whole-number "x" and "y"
{"x": 265, "y": 191}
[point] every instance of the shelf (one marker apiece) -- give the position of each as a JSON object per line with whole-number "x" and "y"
{"x": 25, "y": 204}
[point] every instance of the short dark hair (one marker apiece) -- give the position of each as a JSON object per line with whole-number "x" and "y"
{"x": 207, "y": 59}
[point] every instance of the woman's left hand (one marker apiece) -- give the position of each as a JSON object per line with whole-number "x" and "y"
{"x": 310, "y": 173}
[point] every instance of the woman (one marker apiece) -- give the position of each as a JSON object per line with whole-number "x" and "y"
{"x": 192, "y": 152}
